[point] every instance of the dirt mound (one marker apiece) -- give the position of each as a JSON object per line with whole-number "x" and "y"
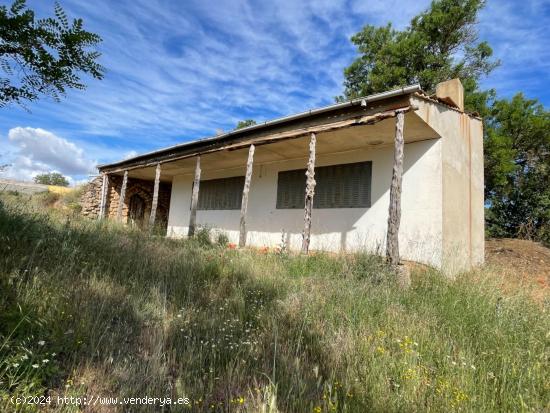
{"x": 522, "y": 263}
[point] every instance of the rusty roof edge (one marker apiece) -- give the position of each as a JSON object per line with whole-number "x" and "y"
{"x": 353, "y": 102}
{"x": 433, "y": 98}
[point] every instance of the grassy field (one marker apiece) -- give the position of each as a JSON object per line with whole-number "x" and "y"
{"x": 89, "y": 308}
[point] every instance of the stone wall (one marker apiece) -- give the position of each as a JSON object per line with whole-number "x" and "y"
{"x": 91, "y": 198}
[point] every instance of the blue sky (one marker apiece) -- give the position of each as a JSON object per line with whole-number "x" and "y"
{"x": 181, "y": 70}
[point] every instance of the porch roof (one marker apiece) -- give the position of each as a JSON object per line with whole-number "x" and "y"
{"x": 339, "y": 127}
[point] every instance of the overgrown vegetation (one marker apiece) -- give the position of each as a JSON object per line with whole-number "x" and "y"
{"x": 92, "y": 308}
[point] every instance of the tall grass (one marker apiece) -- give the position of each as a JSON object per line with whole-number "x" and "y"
{"x": 92, "y": 308}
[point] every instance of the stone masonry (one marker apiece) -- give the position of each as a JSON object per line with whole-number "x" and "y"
{"x": 91, "y": 198}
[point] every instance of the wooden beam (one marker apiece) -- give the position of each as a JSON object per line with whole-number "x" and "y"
{"x": 155, "y": 197}
{"x": 310, "y": 192}
{"x": 275, "y": 137}
{"x": 195, "y": 198}
{"x": 122, "y": 196}
{"x": 244, "y": 203}
{"x": 394, "y": 215}
{"x": 104, "y": 196}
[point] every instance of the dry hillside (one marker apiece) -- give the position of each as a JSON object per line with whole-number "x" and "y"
{"x": 521, "y": 263}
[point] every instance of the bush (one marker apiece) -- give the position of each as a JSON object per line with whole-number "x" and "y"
{"x": 222, "y": 239}
{"x": 204, "y": 236}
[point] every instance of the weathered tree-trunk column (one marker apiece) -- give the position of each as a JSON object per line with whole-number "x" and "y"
{"x": 310, "y": 192}
{"x": 244, "y": 203}
{"x": 195, "y": 198}
{"x": 122, "y": 196}
{"x": 104, "y": 196}
{"x": 394, "y": 216}
{"x": 155, "y": 197}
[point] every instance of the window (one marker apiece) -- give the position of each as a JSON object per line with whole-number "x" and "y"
{"x": 225, "y": 193}
{"x": 338, "y": 186}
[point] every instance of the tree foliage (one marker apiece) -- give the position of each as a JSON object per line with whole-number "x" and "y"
{"x": 517, "y": 169}
{"x": 51, "y": 178}
{"x": 43, "y": 56}
{"x": 245, "y": 123}
{"x": 440, "y": 44}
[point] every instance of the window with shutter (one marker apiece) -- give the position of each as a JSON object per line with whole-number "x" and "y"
{"x": 338, "y": 186}
{"x": 221, "y": 194}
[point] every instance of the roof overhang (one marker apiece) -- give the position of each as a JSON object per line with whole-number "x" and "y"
{"x": 293, "y": 126}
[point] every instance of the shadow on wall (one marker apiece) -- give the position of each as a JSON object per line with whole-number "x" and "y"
{"x": 333, "y": 229}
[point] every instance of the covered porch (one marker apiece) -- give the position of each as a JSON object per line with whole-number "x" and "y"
{"x": 363, "y": 131}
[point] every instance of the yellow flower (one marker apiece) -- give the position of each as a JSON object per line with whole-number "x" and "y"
{"x": 317, "y": 409}
{"x": 381, "y": 349}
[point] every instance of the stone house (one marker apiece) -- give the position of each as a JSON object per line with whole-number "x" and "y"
{"x": 398, "y": 173}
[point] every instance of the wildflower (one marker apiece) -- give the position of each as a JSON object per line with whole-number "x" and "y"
{"x": 24, "y": 357}
{"x": 317, "y": 409}
{"x": 41, "y": 342}
{"x": 35, "y": 366}
{"x": 15, "y": 365}
{"x": 380, "y": 349}
{"x": 45, "y": 361}
{"x": 473, "y": 367}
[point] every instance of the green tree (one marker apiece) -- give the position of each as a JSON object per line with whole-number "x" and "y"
{"x": 245, "y": 123}
{"x": 51, "y": 178}
{"x": 440, "y": 44}
{"x": 517, "y": 169}
{"x": 43, "y": 56}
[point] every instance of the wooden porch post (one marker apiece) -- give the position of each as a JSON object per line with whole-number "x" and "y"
{"x": 155, "y": 197}
{"x": 244, "y": 203}
{"x": 122, "y": 196}
{"x": 310, "y": 192}
{"x": 104, "y": 194}
{"x": 394, "y": 216}
{"x": 195, "y": 198}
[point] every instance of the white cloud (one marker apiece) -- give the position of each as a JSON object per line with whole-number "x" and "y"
{"x": 35, "y": 151}
{"x": 130, "y": 154}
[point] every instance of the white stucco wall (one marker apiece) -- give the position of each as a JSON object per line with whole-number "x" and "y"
{"x": 463, "y": 190}
{"x": 349, "y": 229}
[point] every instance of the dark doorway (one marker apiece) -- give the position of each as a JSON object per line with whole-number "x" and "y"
{"x": 136, "y": 211}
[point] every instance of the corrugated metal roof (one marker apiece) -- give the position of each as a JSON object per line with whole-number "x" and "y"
{"x": 254, "y": 128}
